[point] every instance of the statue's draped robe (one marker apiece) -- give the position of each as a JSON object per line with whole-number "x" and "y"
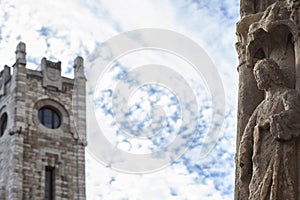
{"x": 267, "y": 154}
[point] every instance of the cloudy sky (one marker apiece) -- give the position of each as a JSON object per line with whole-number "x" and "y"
{"x": 62, "y": 30}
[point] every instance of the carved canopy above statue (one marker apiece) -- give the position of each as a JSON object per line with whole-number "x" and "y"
{"x": 268, "y": 29}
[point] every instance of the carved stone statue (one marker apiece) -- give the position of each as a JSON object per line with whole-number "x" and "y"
{"x": 267, "y": 150}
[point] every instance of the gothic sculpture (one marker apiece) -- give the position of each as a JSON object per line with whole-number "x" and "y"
{"x": 267, "y": 150}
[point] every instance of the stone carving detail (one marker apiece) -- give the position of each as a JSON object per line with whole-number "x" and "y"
{"x": 254, "y": 6}
{"x": 267, "y": 126}
{"x": 52, "y": 74}
{"x": 27, "y": 148}
{"x": 267, "y": 151}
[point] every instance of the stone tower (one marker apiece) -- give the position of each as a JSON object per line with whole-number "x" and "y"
{"x": 42, "y": 131}
{"x": 268, "y": 29}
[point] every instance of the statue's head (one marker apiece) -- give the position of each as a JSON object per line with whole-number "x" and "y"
{"x": 267, "y": 72}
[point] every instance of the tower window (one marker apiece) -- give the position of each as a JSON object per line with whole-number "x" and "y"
{"x": 3, "y": 123}
{"x": 49, "y": 183}
{"x": 49, "y": 117}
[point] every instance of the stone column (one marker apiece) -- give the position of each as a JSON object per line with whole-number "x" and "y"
{"x": 18, "y": 89}
{"x": 79, "y": 109}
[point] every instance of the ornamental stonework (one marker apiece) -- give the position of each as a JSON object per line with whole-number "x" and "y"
{"x": 42, "y": 153}
{"x": 268, "y": 128}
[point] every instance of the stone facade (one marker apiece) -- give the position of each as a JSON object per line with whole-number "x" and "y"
{"x": 27, "y": 147}
{"x": 268, "y": 29}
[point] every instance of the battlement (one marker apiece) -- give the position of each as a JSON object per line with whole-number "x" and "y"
{"x": 5, "y": 77}
{"x": 42, "y": 130}
{"x": 50, "y": 73}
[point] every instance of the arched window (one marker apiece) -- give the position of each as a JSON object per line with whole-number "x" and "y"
{"x": 49, "y": 117}
{"x": 3, "y": 123}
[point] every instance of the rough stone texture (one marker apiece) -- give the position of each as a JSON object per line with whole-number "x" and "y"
{"x": 27, "y": 147}
{"x": 52, "y": 74}
{"x": 268, "y": 29}
{"x": 267, "y": 151}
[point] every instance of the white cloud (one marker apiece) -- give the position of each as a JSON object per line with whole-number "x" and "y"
{"x": 62, "y": 30}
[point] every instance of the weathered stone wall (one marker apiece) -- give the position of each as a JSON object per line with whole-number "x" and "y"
{"x": 267, "y": 29}
{"x": 7, "y": 148}
{"x": 25, "y": 153}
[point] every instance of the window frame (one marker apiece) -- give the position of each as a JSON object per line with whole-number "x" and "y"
{"x": 49, "y": 183}
{"x": 55, "y": 115}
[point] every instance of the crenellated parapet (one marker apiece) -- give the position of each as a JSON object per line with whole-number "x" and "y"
{"x": 21, "y": 53}
{"x": 5, "y": 77}
{"x": 42, "y": 130}
{"x": 79, "y": 68}
{"x": 51, "y": 74}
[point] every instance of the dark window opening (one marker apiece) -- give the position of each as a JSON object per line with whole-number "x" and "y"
{"x": 49, "y": 117}
{"x": 50, "y": 183}
{"x": 3, "y": 123}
